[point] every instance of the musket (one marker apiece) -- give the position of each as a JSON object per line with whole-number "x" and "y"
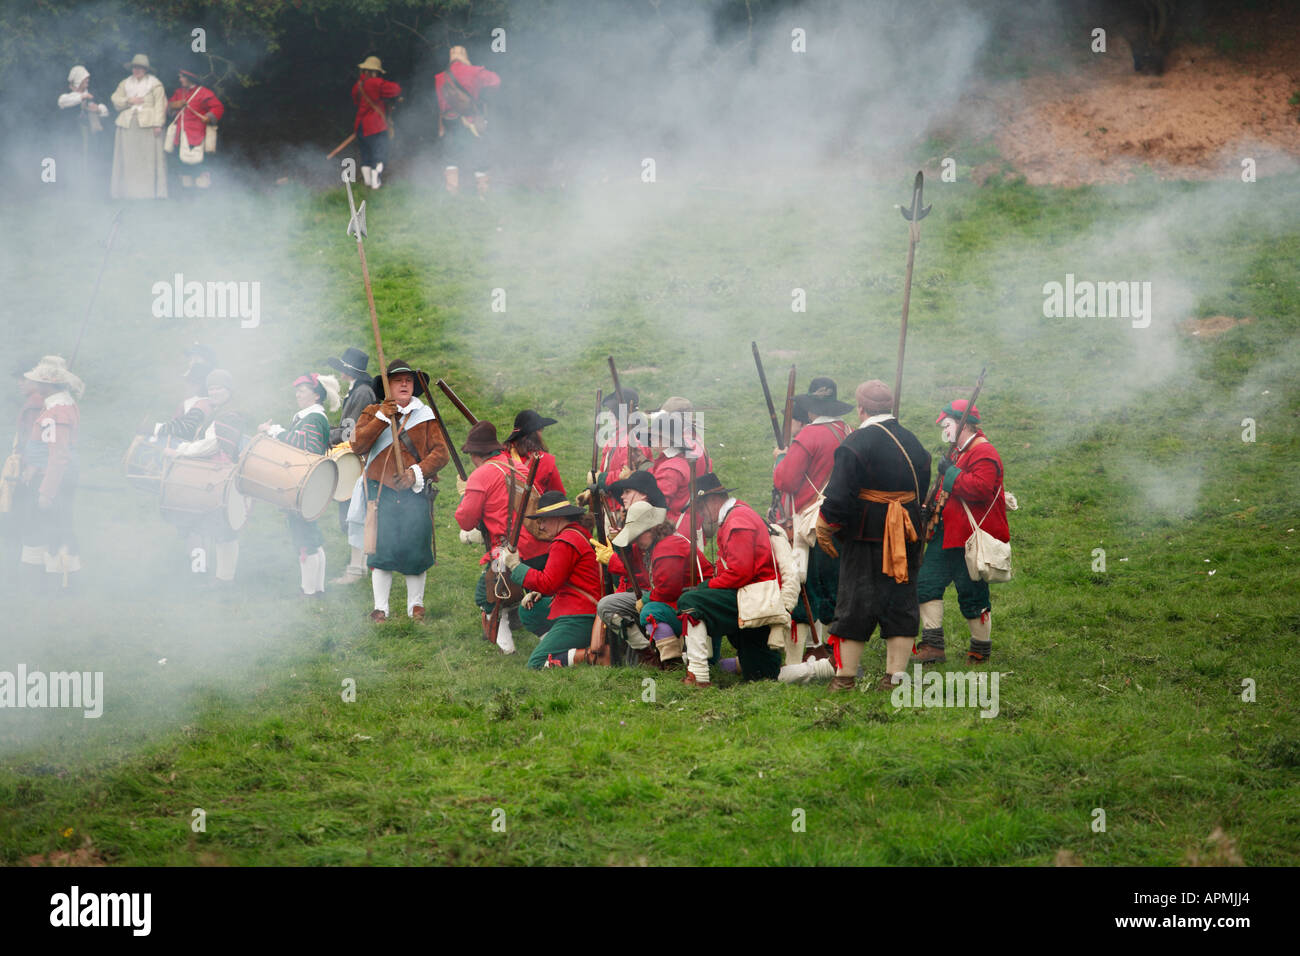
{"x": 695, "y": 567}
{"x": 515, "y": 525}
{"x": 357, "y": 227}
{"x": 112, "y": 234}
{"x": 933, "y": 506}
{"x": 913, "y": 214}
{"x": 341, "y": 146}
{"x": 623, "y": 403}
{"x": 767, "y": 396}
{"x": 597, "y": 507}
{"x": 455, "y": 400}
{"x": 787, "y": 423}
{"x": 455, "y": 458}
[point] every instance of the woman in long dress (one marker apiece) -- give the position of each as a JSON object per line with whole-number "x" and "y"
{"x": 139, "y": 171}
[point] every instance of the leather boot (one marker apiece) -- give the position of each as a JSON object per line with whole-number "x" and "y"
{"x": 839, "y": 683}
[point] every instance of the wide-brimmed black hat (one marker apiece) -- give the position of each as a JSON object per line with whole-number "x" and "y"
{"x": 630, "y": 397}
{"x": 398, "y": 367}
{"x": 527, "y": 422}
{"x": 643, "y": 482}
{"x": 822, "y": 398}
{"x": 708, "y": 484}
{"x": 482, "y": 440}
{"x": 354, "y": 362}
{"x": 553, "y": 504}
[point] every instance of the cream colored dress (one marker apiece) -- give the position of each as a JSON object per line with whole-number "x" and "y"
{"x": 139, "y": 169}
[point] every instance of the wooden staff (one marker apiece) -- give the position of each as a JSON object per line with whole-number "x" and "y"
{"x": 341, "y": 146}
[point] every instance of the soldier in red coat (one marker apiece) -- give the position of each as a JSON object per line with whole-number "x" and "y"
{"x": 372, "y": 124}
{"x": 570, "y": 578}
{"x": 711, "y": 611}
{"x": 485, "y": 506}
{"x": 48, "y": 477}
{"x": 462, "y": 121}
{"x": 197, "y": 108}
{"x": 972, "y": 480}
{"x": 801, "y": 473}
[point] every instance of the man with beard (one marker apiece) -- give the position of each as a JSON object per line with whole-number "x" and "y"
{"x": 971, "y": 485}
{"x": 871, "y": 514}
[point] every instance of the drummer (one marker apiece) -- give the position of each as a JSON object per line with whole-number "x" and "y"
{"x": 404, "y": 506}
{"x": 222, "y": 441}
{"x": 310, "y": 431}
{"x": 351, "y": 366}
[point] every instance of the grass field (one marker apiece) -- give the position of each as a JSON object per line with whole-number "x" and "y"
{"x": 1121, "y": 689}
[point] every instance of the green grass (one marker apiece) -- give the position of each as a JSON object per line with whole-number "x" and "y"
{"x": 1122, "y": 688}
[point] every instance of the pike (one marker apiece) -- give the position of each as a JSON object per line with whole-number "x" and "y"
{"x": 694, "y": 578}
{"x": 455, "y": 400}
{"x": 357, "y": 227}
{"x": 933, "y": 506}
{"x": 597, "y": 508}
{"x": 913, "y": 214}
{"x": 112, "y": 234}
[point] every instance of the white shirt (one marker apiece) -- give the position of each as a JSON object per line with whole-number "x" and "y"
{"x": 140, "y": 87}
{"x": 876, "y": 418}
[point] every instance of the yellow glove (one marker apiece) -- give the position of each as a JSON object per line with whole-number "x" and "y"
{"x": 603, "y": 551}
{"x": 639, "y": 604}
{"x": 824, "y": 531}
{"x": 461, "y": 486}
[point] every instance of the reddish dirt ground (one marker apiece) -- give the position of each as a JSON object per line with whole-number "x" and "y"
{"x": 1104, "y": 122}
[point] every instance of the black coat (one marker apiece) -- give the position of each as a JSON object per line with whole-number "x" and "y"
{"x": 869, "y": 459}
{"x": 361, "y": 395}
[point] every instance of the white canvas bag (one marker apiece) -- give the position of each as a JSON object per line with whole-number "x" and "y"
{"x": 987, "y": 558}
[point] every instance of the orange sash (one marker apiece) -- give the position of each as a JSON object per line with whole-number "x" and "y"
{"x": 899, "y": 529}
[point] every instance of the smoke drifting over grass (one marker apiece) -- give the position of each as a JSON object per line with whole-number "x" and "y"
{"x": 774, "y": 170}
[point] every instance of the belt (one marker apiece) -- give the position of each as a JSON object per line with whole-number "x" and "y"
{"x": 899, "y": 529}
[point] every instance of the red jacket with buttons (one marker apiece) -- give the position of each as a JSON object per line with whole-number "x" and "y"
{"x": 571, "y": 575}
{"x": 976, "y": 479}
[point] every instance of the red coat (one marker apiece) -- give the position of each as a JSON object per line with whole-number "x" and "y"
{"x": 54, "y": 429}
{"x": 744, "y": 549}
{"x": 378, "y": 89}
{"x": 976, "y": 478}
{"x": 474, "y": 79}
{"x": 673, "y": 476}
{"x": 619, "y": 570}
{"x": 486, "y": 499}
{"x": 670, "y": 570}
{"x": 572, "y": 574}
{"x": 202, "y": 101}
{"x": 808, "y": 461}
{"x": 548, "y": 473}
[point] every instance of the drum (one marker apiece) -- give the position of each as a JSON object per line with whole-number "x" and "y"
{"x": 350, "y": 468}
{"x": 143, "y": 464}
{"x": 287, "y": 477}
{"x": 201, "y": 486}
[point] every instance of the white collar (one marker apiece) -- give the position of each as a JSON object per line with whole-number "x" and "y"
{"x": 876, "y": 418}
{"x": 59, "y": 398}
{"x": 726, "y": 506}
{"x": 411, "y": 406}
{"x": 671, "y": 452}
{"x": 304, "y": 412}
{"x": 824, "y": 420}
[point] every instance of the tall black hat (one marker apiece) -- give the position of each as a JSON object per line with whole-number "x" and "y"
{"x": 354, "y": 362}
{"x": 527, "y": 422}
{"x": 643, "y": 482}
{"x": 823, "y": 398}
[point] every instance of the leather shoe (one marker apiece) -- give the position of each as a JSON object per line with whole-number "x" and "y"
{"x": 690, "y": 681}
{"x": 378, "y": 616}
{"x": 929, "y": 654}
{"x": 839, "y": 683}
{"x": 417, "y": 613}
